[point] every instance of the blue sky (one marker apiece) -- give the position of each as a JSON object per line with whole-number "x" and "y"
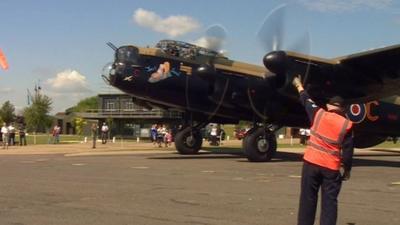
{"x": 62, "y": 43}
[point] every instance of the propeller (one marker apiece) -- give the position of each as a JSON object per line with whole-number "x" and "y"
{"x": 279, "y": 62}
{"x": 271, "y": 35}
{"x": 271, "y": 32}
{"x": 214, "y": 38}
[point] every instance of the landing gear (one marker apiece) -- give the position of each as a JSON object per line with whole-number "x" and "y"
{"x": 260, "y": 145}
{"x": 188, "y": 141}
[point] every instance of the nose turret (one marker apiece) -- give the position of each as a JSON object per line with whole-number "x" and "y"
{"x": 126, "y": 62}
{"x": 127, "y": 72}
{"x": 108, "y": 73}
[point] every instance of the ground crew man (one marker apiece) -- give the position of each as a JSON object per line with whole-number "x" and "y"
{"x": 330, "y": 147}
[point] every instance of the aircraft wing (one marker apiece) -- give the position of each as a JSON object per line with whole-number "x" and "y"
{"x": 383, "y": 56}
{"x": 359, "y": 77}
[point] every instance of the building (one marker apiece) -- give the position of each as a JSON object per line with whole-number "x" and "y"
{"x": 124, "y": 117}
{"x": 127, "y": 119}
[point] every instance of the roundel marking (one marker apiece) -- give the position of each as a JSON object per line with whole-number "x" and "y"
{"x": 356, "y": 113}
{"x": 355, "y": 110}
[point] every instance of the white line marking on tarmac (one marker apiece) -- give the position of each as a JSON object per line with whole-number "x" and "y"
{"x": 395, "y": 183}
{"x": 41, "y": 160}
{"x": 208, "y": 171}
{"x": 263, "y": 180}
{"x": 79, "y": 164}
{"x": 140, "y": 167}
{"x": 294, "y": 176}
{"x": 27, "y": 161}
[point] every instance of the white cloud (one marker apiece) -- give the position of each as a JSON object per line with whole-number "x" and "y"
{"x": 173, "y": 26}
{"x": 6, "y": 90}
{"x": 68, "y": 81}
{"x": 344, "y": 5}
{"x": 66, "y": 89}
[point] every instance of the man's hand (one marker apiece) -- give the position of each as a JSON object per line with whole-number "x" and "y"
{"x": 297, "y": 83}
{"x": 346, "y": 175}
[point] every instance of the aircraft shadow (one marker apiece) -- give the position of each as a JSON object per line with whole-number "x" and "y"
{"x": 227, "y": 153}
{"x": 357, "y": 162}
{"x": 360, "y": 161}
{"x": 208, "y": 153}
{"x": 282, "y": 156}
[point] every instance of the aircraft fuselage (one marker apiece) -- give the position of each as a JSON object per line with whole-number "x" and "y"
{"x": 225, "y": 95}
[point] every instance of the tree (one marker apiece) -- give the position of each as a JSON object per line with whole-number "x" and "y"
{"x": 7, "y": 112}
{"x": 79, "y": 125}
{"x": 37, "y": 116}
{"x": 85, "y": 105}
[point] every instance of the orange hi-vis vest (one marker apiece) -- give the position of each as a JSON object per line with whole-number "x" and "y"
{"x": 327, "y": 134}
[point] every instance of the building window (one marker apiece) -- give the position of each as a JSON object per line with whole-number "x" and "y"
{"x": 110, "y": 106}
{"x": 129, "y": 106}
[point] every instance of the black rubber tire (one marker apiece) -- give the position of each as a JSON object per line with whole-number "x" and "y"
{"x": 188, "y": 141}
{"x": 260, "y": 146}
{"x": 245, "y": 137}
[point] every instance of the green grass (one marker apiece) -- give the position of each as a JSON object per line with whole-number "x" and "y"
{"x": 46, "y": 139}
{"x": 388, "y": 144}
{"x": 229, "y": 130}
{"x": 290, "y": 146}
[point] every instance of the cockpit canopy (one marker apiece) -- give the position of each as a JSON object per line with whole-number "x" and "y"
{"x": 185, "y": 50}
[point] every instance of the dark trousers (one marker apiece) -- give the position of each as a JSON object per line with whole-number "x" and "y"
{"x": 22, "y": 139}
{"x": 94, "y": 141}
{"x": 303, "y": 139}
{"x": 313, "y": 177}
{"x": 103, "y": 137}
{"x": 11, "y": 140}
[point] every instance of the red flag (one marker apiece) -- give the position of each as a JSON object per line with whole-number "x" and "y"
{"x": 3, "y": 60}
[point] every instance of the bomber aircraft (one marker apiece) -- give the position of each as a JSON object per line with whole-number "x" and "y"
{"x": 211, "y": 88}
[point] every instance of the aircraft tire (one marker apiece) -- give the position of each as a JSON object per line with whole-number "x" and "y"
{"x": 188, "y": 141}
{"x": 245, "y": 137}
{"x": 260, "y": 146}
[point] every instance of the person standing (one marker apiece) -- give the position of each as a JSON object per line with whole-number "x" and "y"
{"x": 330, "y": 146}
{"x": 94, "y": 129}
{"x": 303, "y": 137}
{"x": 11, "y": 135}
{"x": 153, "y": 133}
{"x": 168, "y": 138}
{"x": 22, "y": 137}
{"x": 4, "y": 132}
{"x": 160, "y": 135}
{"x": 104, "y": 132}
{"x": 213, "y": 135}
{"x": 56, "y": 134}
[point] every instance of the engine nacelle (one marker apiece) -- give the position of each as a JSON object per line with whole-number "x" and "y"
{"x": 276, "y": 63}
{"x": 206, "y": 71}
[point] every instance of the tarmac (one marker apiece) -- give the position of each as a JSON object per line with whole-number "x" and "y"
{"x": 139, "y": 183}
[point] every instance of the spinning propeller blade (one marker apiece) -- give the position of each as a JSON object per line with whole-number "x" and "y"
{"x": 271, "y": 36}
{"x": 271, "y": 32}
{"x": 215, "y": 37}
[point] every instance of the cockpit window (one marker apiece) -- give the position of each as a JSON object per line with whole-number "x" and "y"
{"x": 184, "y": 50}
{"x": 128, "y": 54}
